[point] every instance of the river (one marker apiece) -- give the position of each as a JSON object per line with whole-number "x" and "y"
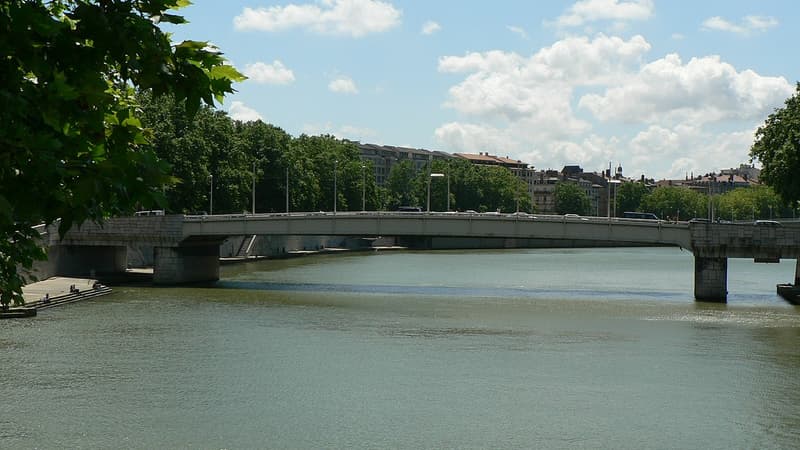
{"x": 578, "y": 348}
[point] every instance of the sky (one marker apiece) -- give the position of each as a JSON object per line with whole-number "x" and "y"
{"x": 664, "y": 88}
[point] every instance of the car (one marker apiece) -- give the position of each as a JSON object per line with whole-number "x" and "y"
{"x": 767, "y": 223}
{"x": 699, "y": 220}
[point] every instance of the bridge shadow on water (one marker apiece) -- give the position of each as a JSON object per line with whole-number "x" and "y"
{"x": 449, "y": 291}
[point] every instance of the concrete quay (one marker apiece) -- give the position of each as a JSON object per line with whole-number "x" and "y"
{"x": 53, "y": 292}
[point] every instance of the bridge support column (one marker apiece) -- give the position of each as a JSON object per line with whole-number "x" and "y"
{"x": 711, "y": 279}
{"x": 188, "y": 263}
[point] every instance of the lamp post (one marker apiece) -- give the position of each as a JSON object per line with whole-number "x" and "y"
{"x": 448, "y": 192}
{"x": 610, "y": 182}
{"x": 287, "y": 189}
{"x": 211, "y": 197}
{"x": 335, "y": 166}
{"x": 363, "y": 188}
{"x": 433, "y": 175}
{"x": 254, "y": 186}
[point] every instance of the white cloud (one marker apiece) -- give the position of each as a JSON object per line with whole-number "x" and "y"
{"x": 518, "y": 31}
{"x": 760, "y": 23}
{"x": 238, "y": 111}
{"x": 590, "y": 101}
{"x": 275, "y": 73}
{"x": 355, "y": 18}
{"x": 702, "y": 90}
{"x": 586, "y": 11}
{"x": 467, "y": 138}
{"x": 540, "y": 87}
{"x": 430, "y": 27}
{"x": 343, "y": 85}
{"x": 351, "y": 132}
{"x": 686, "y": 149}
{"x": 748, "y": 26}
{"x": 678, "y": 36}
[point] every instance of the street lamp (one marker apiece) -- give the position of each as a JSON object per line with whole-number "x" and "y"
{"x": 211, "y": 197}
{"x": 335, "y": 166}
{"x": 448, "y": 191}
{"x": 436, "y": 175}
{"x": 363, "y": 188}
{"x": 287, "y": 189}
{"x": 254, "y": 186}
{"x": 610, "y": 182}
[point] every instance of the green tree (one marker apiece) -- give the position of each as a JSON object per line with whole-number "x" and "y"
{"x": 675, "y": 202}
{"x": 401, "y": 185}
{"x": 70, "y": 131}
{"x": 758, "y": 202}
{"x": 629, "y": 197}
{"x": 570, "y": 199}
{"x": 265, "y": 147}
{"x": 317, "y": 159}
{"x": 777, "y": 147}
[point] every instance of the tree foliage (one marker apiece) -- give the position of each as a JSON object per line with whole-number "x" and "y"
{"x": 675, "y": 202}
{"x": 777, "y": 147}
{"x": 72, "y": 140}
{"x": 570, "y": 199}
{"x": 629, "y": 197}
{"x": 758, "y": 202}
{"x": 471, "y": 187}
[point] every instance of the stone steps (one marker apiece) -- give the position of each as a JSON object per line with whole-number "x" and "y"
{"x": 58, "y": 300}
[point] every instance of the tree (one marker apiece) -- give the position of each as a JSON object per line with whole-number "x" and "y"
{"x": 758, "y": 202}
{"x": 401, "y": 185}
{"x": 571, "y": 199}
{"x": 629, "y": 197}
{"x": 70, "y": 130}
{"x": 673, "y": 201}
{"x": 777, "y": 147}
{"x": 267, "y": 146}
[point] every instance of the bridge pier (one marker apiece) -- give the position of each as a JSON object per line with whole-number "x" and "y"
{"x": 192, "y": 262}
{"x": 710, "y": 279}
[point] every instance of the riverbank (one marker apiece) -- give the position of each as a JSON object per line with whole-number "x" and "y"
{"x": 53, "y": 292}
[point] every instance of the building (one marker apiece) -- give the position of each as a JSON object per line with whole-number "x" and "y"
{"x": 383, "y": 157}
{"x": 746, "y": 171}
{"x": 543, "y": 190}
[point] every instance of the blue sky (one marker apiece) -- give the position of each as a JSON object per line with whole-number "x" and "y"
{"x": 664, "y": 88}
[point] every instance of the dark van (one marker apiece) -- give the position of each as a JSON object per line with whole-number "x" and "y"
{"x": 639, "y": 215}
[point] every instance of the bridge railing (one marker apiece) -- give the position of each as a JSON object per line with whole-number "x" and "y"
{"x": 433, "y": 214}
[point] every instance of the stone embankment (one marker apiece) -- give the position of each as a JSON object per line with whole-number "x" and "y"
{"x": 56, "y": 291}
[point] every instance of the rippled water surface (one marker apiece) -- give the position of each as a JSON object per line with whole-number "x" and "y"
{"x": 594, "y": 348}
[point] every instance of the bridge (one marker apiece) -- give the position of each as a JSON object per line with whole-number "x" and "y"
{"x": 186, "y": 248}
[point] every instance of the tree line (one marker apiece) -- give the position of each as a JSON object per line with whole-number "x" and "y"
{"x": 680, "y": 203}
{"x": 210, "y": 154}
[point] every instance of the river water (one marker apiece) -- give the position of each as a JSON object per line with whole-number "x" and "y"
{"x": 581, "y": 348}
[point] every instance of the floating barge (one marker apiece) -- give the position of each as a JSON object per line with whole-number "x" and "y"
{"x": 790, "y": 293}
{"x": 18, "y": 313}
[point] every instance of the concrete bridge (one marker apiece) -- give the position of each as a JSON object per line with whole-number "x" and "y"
{"x": 186, "y": 248}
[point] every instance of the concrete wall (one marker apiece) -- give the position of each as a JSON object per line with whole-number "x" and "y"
{"x": 711, "y": 279}
{"x": 190, "y": 263}
{"x": 499, "y": 243}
